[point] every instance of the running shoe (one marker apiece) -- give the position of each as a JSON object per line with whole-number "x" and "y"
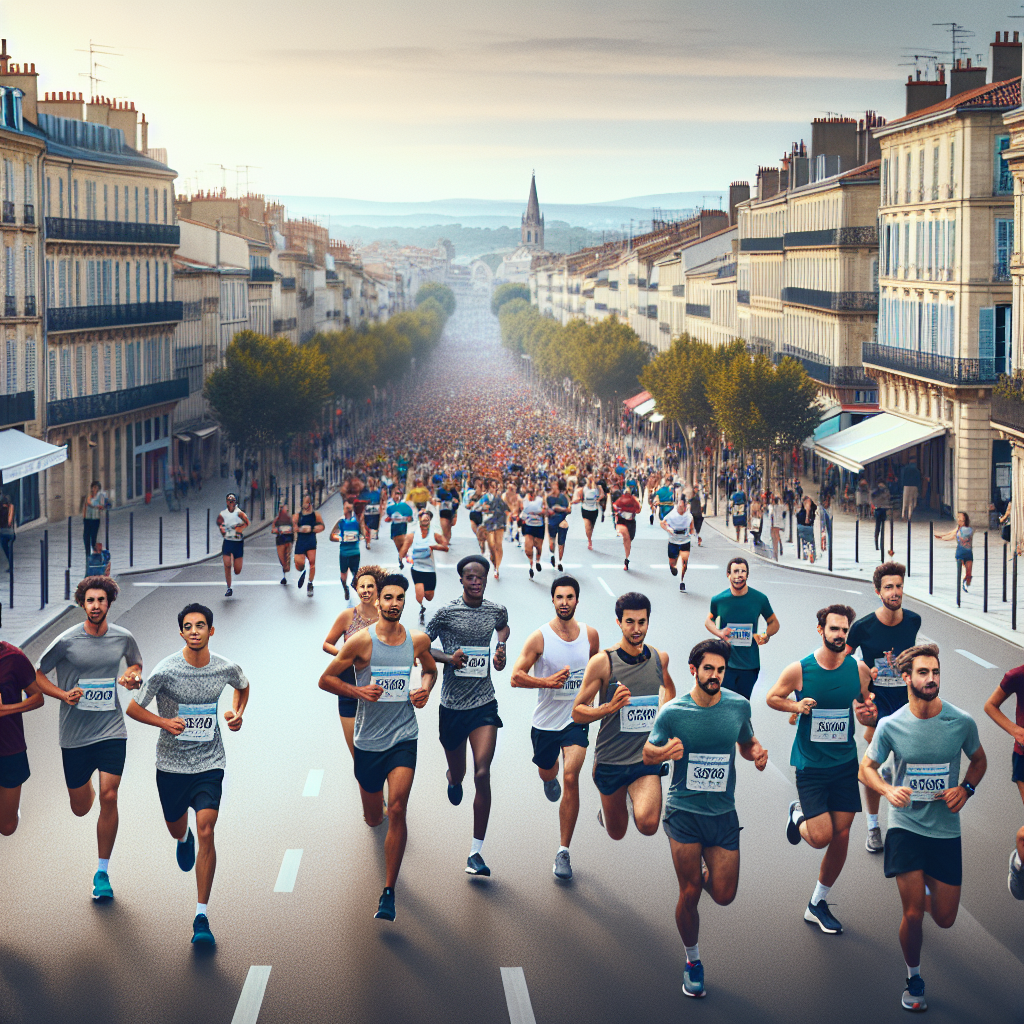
{"x": 819, "y": 914}
{"x": 227, "y": 593}
{"x": 559, "y": 566}
{"x": 454, "y": 794}
{"x": 101, "y": 890}
{"x": 552, "y": 790}
{"x": 539, "y": 567}
{"x": 625, "y": 567}
{"x": 423, "y": 616}
{"x": 386, "y": 906}
{"x": 552, "y": 561}
{"x": 874, "y": 842}
{"x": 693, "y": 980}
{"x": 1015, "y": 879}
{"x": 201, "y": 934}
{"x": 309, "y": 589}
{"x": 652, "y": 519}
{"x": 284, "y": 581}
{"x": 682, "y": 587}
{"x": 302, "y": 579}
{"x": 913, "y": 995}
{"x": 672, "y": 569}
{"x": 344, "y": 584}
{"x": 185, "y": 853}
{"x": 792, "y": 828}
{"x": 475, "y": 865}
{"x": 531, "y": 572}
{"x": 563, "y": 869}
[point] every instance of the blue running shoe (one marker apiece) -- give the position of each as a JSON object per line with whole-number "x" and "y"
{"x": 552, "y": 790}
{"x": 693, "y": 980}
{"x": 475, "y": 865}
{"x": 101, "y": 891}
{"x": 201, "y": 934}
{"x": 913, "y": 995}
{"x": 819, "y": 914}
{"x": 386, "y": 906}
{"x": 792, "y": 828}
{"x": 454, "y": 792}
{"x": 186, "y": 852}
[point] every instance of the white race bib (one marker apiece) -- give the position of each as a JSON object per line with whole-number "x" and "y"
{"x": 742, "y": 634}
{"x": 97, "y": 695}
{"x": 886, "y": 676}
{"x": 830, "y": 725}
{"x": 926, "y": 781}
{"x": 708, "y": 773}
{"x": 475, "y": 665}
{"x": 571, "y": 687}
{"x": 639, "y": 714}
{"x": 394, "y": 681}
{"x": 626, "y": 515}
{"x": 200, "y": 722}
{"x": 230, "y": 533}
{"x": 350, "y": 536}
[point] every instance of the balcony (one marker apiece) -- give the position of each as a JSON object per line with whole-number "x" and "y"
{"x": 826, "y": 373}
{"x": 1001, "y": 272}
{"x": 263, "y": 275}
{"x": 18, "y": 408}
{"x": 8, "y": 213}
{"x": 650, "y": 311}
{"x": 837, "y": 302}
{"x": 289, "y": 324}
{"x": 30, "y": 305}
{"x": 830, "y": 237}
{"x": 743, "y": 296}
{"x": 946, "y": 369}
{"x": 84, "y": 318}
{"x": 121, "y": 231}
{"x": 761, "y": 244}
{"x": 693, "y": 309}
{"x": 29, "y": 214}
{"x": 1007, "y": 410}
{"x": 115, "y": 403}
{"x": 287, "y": 284}
{"x": 726, "y": 270}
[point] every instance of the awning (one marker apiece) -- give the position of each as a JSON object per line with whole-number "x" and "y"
{"x": 632, "y": 403}
{"x": 22, "y": 455}
{"x": 644, "y": 408}
{"x": 205, "y": 432}
{"x": 187, "y": 438}
{"x": 656, "y": 418}
{"x": 874, "y": 439}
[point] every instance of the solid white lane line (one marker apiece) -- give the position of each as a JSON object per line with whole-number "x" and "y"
{"x": 251, "y": 999}
{"x": 606, "y": 565}
{"x": 517, "y": 996}
{"x": 611, "y": 593}
{"x": 689, "y": 567}
{"x": 823, "y": 585}
{"x": 973, "y": 657}
{"x": 314, "y": 780}
{"x": 289, "y": 870}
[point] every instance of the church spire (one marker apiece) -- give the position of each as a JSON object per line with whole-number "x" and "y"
{"x": 533, "y": 221}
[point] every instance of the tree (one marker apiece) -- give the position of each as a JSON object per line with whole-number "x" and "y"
{"x": 442, "y": 293}
{"x": 607, "y": 359}
{"x": 506, "y": 293}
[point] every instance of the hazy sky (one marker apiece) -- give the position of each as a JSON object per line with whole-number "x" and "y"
{"x": 407, "y": 101}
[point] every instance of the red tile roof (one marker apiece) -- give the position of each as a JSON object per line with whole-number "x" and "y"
{"x": 999, "y": 95}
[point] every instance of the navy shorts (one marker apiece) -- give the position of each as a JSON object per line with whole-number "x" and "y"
{"x": 610, "y": 778}
{"x": 372, "y": 767}
{"x": 428, "y": 579}
{"x": 14, "y": 770}
{"x": 705, "y": 830}
{"x": 888, "y": 699}
{"x": 348, "y": 563}
{"x": 828, "y": 789}
{"x": 476, "y": 517}
{"x": 372, "y": 522}
{"x": 446, "y": 513}
{"x": 548, "y": 742}
{"x": 233, "y": 548}
{"x": 347, "y": 705}
{"x": 1017, "y": 774}
{"x": 304, "y": 543}
{"x": 534, "y": 531}
{"x": 454, "y": 727}
{"x": 741, "y": 680}
{"x": 181, "y": 790}
{"x": 399, "y": 529}
{"x": 906, "y": 851}
{"x": 80, "y": 762}
{"x": 559, "y": 533}
{"x": 284, "y": 538}
{"x": 674, "y": 549}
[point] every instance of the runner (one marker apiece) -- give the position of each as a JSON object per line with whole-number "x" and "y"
{"x": 308, "y": 523}
{"x": 424, "y": 571}
{"x": 626, "y": 509}
{"x": 663, "y": 499}
{"x": 825, "y": 751}
{"x": 882, "y": 636}
{"x": 371, "y": 513}
{"x": 922, "y": 844}
{"x": 558, "y": 523}
{"x": 738, "y": 511}
{"x": 678, "y": 524}
{"x": 700, "y": 732}
{"x": 733, "y": 618}
{"x": 93, "y": 737}
{"x": 534, "y": 513}
{"x": 446, "y": 498}
{"x": 476, "y": 516}
{"x": 632, "y": 681}
{"x": 17, "y": 677}
{"x": 399, "y": 515}
{"x": 697, "y": 511}
{"x": 589, "y": 499}
{"x": 386, "y": 729}
{"x": 496, "y": 511}
{"x": 231, "y": 521}
{"x": 284, "y": 531}
{"x": 190, "y": 759}
{"x": 558, "y": 654}
{"x": 418, "y": 495}
{"x": 469, "y": 709}
{"x": 346, "y": 535}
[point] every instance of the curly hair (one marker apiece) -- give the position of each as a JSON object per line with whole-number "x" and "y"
{"x": 369, "y": 570}
{"x": 104, "y": 583}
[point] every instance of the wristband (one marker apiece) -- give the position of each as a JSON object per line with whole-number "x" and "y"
{"x": 967, "y": 788}
{"x": 500, "y": 643}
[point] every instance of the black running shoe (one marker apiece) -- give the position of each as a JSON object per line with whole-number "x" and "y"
{"x": 552, "y": 561}
{"x": 302, "y": 579}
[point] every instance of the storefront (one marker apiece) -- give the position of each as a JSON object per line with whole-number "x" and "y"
{"x": 22, "y": 459}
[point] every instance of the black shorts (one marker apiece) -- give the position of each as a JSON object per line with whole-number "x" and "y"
{"x": 548, "y": 742}
{"x": 476, "y": 517}
{"x": 629, "y": 524}
{"x": 828, "y": 789}
{"x": 347, "y": 563}
{"x": 675, "y": 549}
{"x": 741, "y": 680}
{"x": 181, "y": 790}
{"x": 284, "y": 538}
{"x": 80, "y": 762}
{"x": 399, "y": 530}
{"x": 372, "y": 767}
{"x": 446, "y": 513}
{"x": 305, "y": 543}
{"x": 372, "y": 522}
{"x": 610, "y": 778}
{"x": 706, "y": 830}
{"x": 592, "y": 516}
{"x": 1017, "y": 773}
{"x": 233, "y": 549}
{"x": 889, "y": 699}
{"x": 428, "y": 579}
{"x": 906, "y": 851}
{"x": 534, "y": 531}
{"x": 454, "y": 726}
{"x": 13, "y": 770}
{"x": 347, "y": 705}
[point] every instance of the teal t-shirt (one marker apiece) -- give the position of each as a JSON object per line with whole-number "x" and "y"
{"x": 666, "y": 499}
{"x": 704, "y": 779}
{"x": 742, "y": 614}
{"x": 825, "y": 738}
{"x": 927, "y": 759}
{"x": 348, "y": 532}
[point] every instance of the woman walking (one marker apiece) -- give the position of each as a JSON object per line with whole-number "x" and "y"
{"x": 963, "y": 534}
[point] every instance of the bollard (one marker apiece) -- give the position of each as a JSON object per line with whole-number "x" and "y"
{"x": 207, "y": 531}
{"x": 46, "y": 573}
{"x": 908, "y": 547}
{"x": 1004, "y": 573}
{"x": 984, "y": 593}
{"x": 892, "y": 528}
{"x": 931, "y": 556}
{"x": 131, "y": 539}
{"x": 1013, "y": 596}
{"x": 106, "y": 528}
{"x": 292, "y": 506}
{"x": 791, "y": 522}
{"x": 188, "y": 536}
{"x": 69, "y": 542}
{"x": 959, "y": 570}
{"x": 67, "y": 584}
{"x": 856, "y": 540}
{"x": 10, "y": 602}
{"x": 160, "y": 541}
{"x": 42, "y": 576}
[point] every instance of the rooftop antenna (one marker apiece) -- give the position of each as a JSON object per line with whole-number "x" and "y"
{"x": 247, "y": 168}
{"x": 223, "y": 177}
{"x": 96, "y": 49}
{"x": 959, "y": 35}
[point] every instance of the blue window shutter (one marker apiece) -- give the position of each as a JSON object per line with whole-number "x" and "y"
{"x": 987, "y": 339}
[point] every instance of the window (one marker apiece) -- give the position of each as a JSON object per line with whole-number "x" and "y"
{"x": 51, "y": 389}
{"x": 60, "y": 186}
{"x": 30, "y": 270}
{"x": 920, "y": 176}
{"x": 65, "y": 373}
{"x": 138, "y": 281}
{"x": 117, "y": 215}
{"x": 146, "y": 202}
{"x": 51, "y": 293}
{"x": 107, "y": 382}
{"x": 30, "y": 364}
{"x": 117, "y": 366}
{"x": 12, "y": 366}
{"x": 136, "y": 204}
{"x": 9, "y": 272}
{"x": 165, "y": 206}
{"x": 1002, "y": 184}
{"x": 1004, "y": 249}
{"x": 106, "y": 210}
{"x": 79, "y": 369}
{"x": 117, "y": 281}
{"x": 49, "y": 197}
{"x": 147, "y": 281}
{"x": 126, "y": 202}
{"x": 906, "y": 177}
{"x": 29, "y": 184}
{"x": 75, "y": 207}
{"x": 129, "y": 365}
{"x": 94, "y": 370}
{"x": 935, "y": 173}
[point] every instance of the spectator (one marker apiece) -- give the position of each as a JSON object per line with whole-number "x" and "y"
{"x": 825, "y": 513}
{"x": 910, "y": 478}
{"x": 778, "y": 517}
{"x": 881, "y": 501}
{"x": 862, "y": 499}
{"x": 91, "y": 506}
{"x": 8, "y": 528}
{"x": 805, "y": 528}
{"x": 1004, "y": 521}
{"x": 97, "y": 562}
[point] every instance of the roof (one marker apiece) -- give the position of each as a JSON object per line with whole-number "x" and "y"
{"x": 996, "y": 96}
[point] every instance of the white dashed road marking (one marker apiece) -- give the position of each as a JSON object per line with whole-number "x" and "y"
{"x": 251, "y": 999}
{"x": 314, "y": 780}
{"x": 289, "y": 870}
{"x": 973, "y": 657}
{"x": 517, "y": 996}
{"x": 611, "y": 593}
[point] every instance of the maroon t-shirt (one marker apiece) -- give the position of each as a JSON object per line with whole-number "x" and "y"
{"x": 1013, "y": 683}
{"x": 16, "y": 672}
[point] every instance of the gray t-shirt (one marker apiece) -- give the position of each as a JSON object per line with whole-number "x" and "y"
{"x": 927, "y": 759}
{"x": 391, "y": 719}
{"x": 177, "y": 684}
{"x": 95, "y": 663}
{"x": 459, "y": 625}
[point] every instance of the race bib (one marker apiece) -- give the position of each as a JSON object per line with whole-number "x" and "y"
{"x": 571, "y": 686}
{"x": 393, "y": 681}
{"x": 886, "y": 676}
{"x": 200, "y": 722}
{"x": 372, "y": 510}
{"x": 639, "y": 714}
{"x": 742, "y": 634}
{"x": 626, "y": 515}
{"x": 230, "y": 533}
{"x": 350, "y": 536}
{"x": 97, "y": 695}
{"x": 830, "y": 725}
{"x": 475, "y": 665}
{"x": 708, "y": 773}
{"x": 681, "y": 537}
{"x": 926, "y": 781}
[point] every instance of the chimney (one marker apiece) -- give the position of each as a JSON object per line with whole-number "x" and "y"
{"x": 4, "y": 57}
{"x": 23, "y": 77}
{"x": 965, "y": 77}
{"x": 1004, "y": 57}
{"x": 868, "y": 148}
{"x": 767, "y": 182}
{"x": 921, "y": 93}
{"x": 97, "y": 110}
{"x": 143, "y": 134}
{"x": 62, "y": 104}
{"x": 124, "y": 116}
{"x": 739, "y": 192}
{"x": 835, "y": 137}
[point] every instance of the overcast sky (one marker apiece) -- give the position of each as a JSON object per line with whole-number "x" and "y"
{"x": 405, "y": 100}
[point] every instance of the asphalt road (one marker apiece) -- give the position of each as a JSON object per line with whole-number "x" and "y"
{"x": 603, "y": 948}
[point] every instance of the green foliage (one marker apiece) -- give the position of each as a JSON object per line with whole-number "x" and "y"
{"x": 506, "y": 293}
{"x": 441, "y": 293}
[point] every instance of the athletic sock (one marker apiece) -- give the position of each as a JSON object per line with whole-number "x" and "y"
{"x": 563, "y": 849}
{"x": 797, "y": 817}
{"x": 104, "y": 864}
{"x": 927, "y": 891}
{"x": 820, "y": 892}
{"x": 913, "y": 972}
{"x": 184, "y": 838}
{"x": 477, "y": 847}
{"x": 692, "y": 953}
{"x": 200, "y": 909}
{"x": 872, "y": 821}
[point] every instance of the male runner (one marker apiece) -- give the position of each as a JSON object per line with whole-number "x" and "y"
{"x": 231, "y": 521}
{"x": 534, "y": 513}
{"x": 678, "y": 523}
{"x": 558, "y": 523}
{"x": 371, "y": 513}
{"x": 589, "y": 498}
{"x": 17, "y": 677}
{"x": 631, "y": 681}
{"x": 1013, "y": 682}
{"x": 663, "y": 499}
{"x": 190, "y": 759}
{"x": 346, "y": 535}
{"x": 558, "y": 653}
{"x": 825, "y": 751}
{"x": 92, "y": 732}
{"x": 882, "y": 636}
{"x": 922, "y": 844}
{"x": 399, "y": 514}
{"x": 386, "y": 730}
{"x": 700, "y": 731}
{"x": 446, "y": 500}
{"x": 469, "y": 709}
{"x": 733, "y": 618}
{"x": 626, "y": 509}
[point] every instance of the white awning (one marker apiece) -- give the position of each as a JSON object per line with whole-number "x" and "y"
{"x": 644, "y": 408}
{"x": 656, "y": 418}
{"x": 187, "y": 438}
{"x": 205, "y": 432}
{"x": 873, "y": 439}
{"x": 22, "y": 455}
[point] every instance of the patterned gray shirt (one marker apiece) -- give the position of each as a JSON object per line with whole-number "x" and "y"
{"x": 175, "y": 682}
{"x": 459, "y": 625}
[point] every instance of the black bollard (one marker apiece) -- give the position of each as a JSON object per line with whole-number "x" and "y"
{"x": 207, "y": 531}
{"x": 856, "y": 540}
{"x": 1004, "y": 573}
{"x": 984, "y": 595}
{"x": 69, "y": 542}
{"x": 67, "y": 584}
{"x": 1013, "y": 596}
{"x": 46, "y": 573}
{"x": 131, "y": 539}
{"x": 959, "y": 570}
{"x": 106, "y": 528}
{"x": 188, "y": 535}
{"x": 160, "y": 542}
{"x": 42, "y": 575}
{"x": 931, "y": 556}
{"x": 908, "y": 547}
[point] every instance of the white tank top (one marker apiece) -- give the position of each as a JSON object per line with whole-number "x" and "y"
{"x": 232, "y": 520}
{"x": 554, "y": 707}
{"x": 590, "y": 497}
{"x": 532, "y": 512}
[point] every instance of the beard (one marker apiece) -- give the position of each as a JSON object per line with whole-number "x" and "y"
{"x": 565, "y": 614}
{"x": 922, "y": 695}
{"x": 391, "y": 614}
{"x": 710, "y": 686}
{"x": 835, "y": 646}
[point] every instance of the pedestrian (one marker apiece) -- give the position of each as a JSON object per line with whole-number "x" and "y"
{"x": 862, "y": 498}
{"x": 756, "y": 521}
{"x": 963, "y": 534}
{"x": 880, "y": 501}
{"x": 910, "y": 478}
{"x": 8, "y": 528}
{"x": 738, "y": 511}
{"x": 778, "y": 517}
{"x": 91, "y": 505}
{"x": 805, "y": 528}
